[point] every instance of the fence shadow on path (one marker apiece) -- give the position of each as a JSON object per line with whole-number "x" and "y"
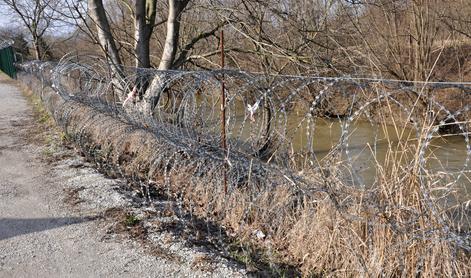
{"x": 12, "y": 227}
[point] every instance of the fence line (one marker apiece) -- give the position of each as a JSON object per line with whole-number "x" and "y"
{"x": 348, "y": 140}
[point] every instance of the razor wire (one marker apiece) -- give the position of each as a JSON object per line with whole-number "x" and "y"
{"x": 4, "y": 43}
{"x": 298, "y": 130}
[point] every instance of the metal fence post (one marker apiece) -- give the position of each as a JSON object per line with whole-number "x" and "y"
{"x": 223, "y": 112}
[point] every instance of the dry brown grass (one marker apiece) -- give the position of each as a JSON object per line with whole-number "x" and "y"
{"x": 393, "y": 228}
{"x": 372, "y": 233}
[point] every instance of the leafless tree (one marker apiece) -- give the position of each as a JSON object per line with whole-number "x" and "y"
{"x": 175, "y": 9}
{"x": 394, "y": 38}
{"x": 37, "y": 16}
{"x": 144, "y": 26}
{"x": 106, "y": 41}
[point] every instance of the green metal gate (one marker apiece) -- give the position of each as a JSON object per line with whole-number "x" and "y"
{"x": 7, "y": 58}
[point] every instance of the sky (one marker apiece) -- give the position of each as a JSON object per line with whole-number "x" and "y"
{"x": 6, "y": 21}
{"x": 9, "y": 20}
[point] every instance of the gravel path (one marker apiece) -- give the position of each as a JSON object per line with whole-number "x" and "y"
{"x": 42, "y": 236}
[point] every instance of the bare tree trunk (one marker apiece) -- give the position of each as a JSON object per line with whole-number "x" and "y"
{"x": 107, "y": 43}
{"x": 175, "y": 8}
{"x": 144, "y": 25}
{"x": 37, "y": 48}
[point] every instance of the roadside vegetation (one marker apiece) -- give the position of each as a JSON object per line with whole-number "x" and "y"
{"x": 397, "y": 226}
{"x": 410, "y": 222}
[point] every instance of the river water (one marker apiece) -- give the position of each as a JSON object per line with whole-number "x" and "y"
{"x": 368, "y": 147}
{"x": 369, "y": 143}
{"x": 371, "y": 147}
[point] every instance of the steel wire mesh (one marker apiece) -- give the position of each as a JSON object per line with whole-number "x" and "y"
{"x": 353, "y": 141}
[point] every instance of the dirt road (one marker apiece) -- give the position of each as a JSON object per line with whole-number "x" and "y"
{"x": 41, "y": 236}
